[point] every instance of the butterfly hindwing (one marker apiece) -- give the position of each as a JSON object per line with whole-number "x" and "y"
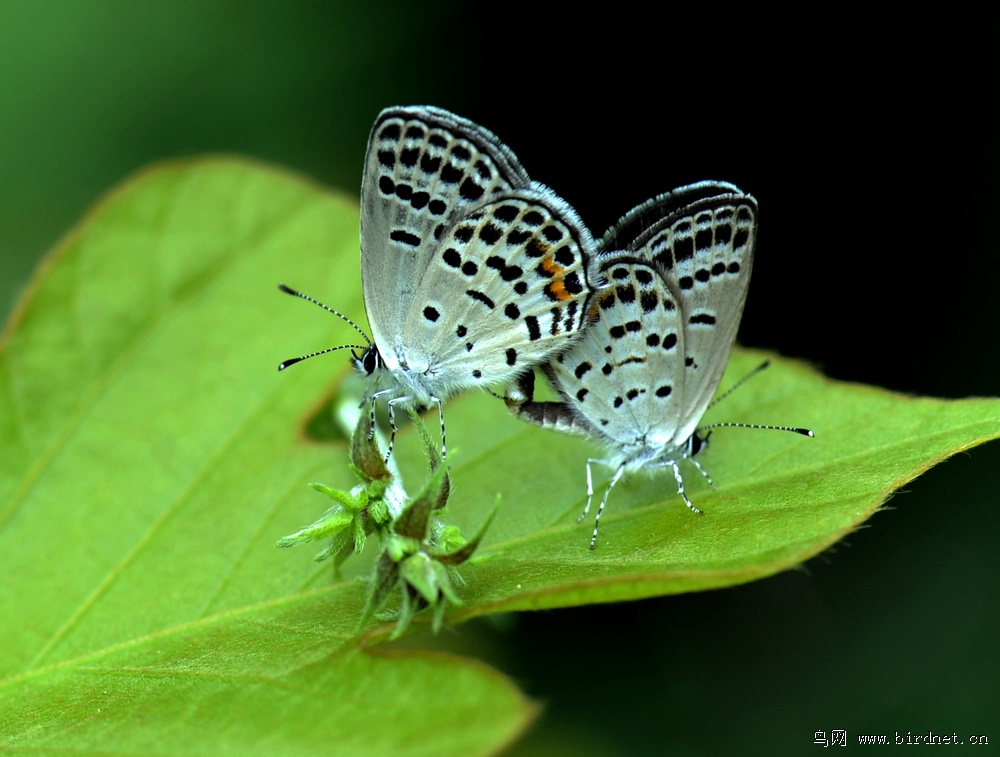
{"x": 619, "y": 375}
{"x": 508, "y": 280}
{"x": 704, "y": 253}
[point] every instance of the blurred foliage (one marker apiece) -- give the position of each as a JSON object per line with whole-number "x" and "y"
{"x": 91, "y": 91}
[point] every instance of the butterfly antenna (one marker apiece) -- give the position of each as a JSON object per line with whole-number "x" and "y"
{"x": 803, "y": 431}
{"x": 739, "y": 383}
{"x": 733, "y": 388}
{"x": 307, "y": 298}
{"x": 294, "y": 360}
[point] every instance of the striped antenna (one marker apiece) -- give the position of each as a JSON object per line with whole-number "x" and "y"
{"x": 307, "y": 298}
{"x": 733, "y": 388}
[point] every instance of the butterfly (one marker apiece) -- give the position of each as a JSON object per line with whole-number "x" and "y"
{"x": 675, "y": 271}
{"x": 472, "y": 273}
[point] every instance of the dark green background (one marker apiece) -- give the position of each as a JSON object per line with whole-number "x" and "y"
{"x": 870, "y": 143}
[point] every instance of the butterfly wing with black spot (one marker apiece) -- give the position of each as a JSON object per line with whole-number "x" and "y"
{"x": 632, "y": 227}
{"x": 507, "y": 288}
{"x": 703, "y": 250}
{"x": 619, "y": 377}
{"x": 424, "y": 168}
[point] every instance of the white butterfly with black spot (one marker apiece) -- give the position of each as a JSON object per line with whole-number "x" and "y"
{"x": 644, "y": 372}
{"x": 472, "y": 273}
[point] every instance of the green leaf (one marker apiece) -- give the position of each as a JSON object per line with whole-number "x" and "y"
{"x": 151, "y": 455}
{"x": 781, "y": 498}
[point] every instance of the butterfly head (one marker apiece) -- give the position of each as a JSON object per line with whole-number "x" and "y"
{"x": 368, "y": 362}
{"x": 696, "y": 443}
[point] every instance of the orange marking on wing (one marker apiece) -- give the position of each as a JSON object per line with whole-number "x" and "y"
{"x": 551, "y": 267}
{"x": 557, "y": 286}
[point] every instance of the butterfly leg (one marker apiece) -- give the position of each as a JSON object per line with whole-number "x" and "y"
{"x": 371, "y": 426}
{"x": 590, "y": 489}
{"x": 604, "y": 501}
{"x": 391, "y": 406}
{"x": 702, "y": 471}
{"x": 444, "y": 448}
{"x": 590, "y": 482}
{"x": 680, "y": 487}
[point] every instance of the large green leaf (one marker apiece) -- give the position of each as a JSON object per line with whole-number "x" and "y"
{"x": 151, "y": 455}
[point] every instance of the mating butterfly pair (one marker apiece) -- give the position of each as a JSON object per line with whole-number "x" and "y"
{"x": 474, "y": 275}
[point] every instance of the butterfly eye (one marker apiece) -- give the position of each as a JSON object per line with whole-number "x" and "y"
{"x": 370, "y": 360}
{"x": 696, "y": 444}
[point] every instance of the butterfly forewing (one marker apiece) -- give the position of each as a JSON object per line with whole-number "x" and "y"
{"x": 700, "y": 238}
{"x": 632, "y": 230}
{"x": 705, "y": 254}
{"x": 424, "y": 168}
